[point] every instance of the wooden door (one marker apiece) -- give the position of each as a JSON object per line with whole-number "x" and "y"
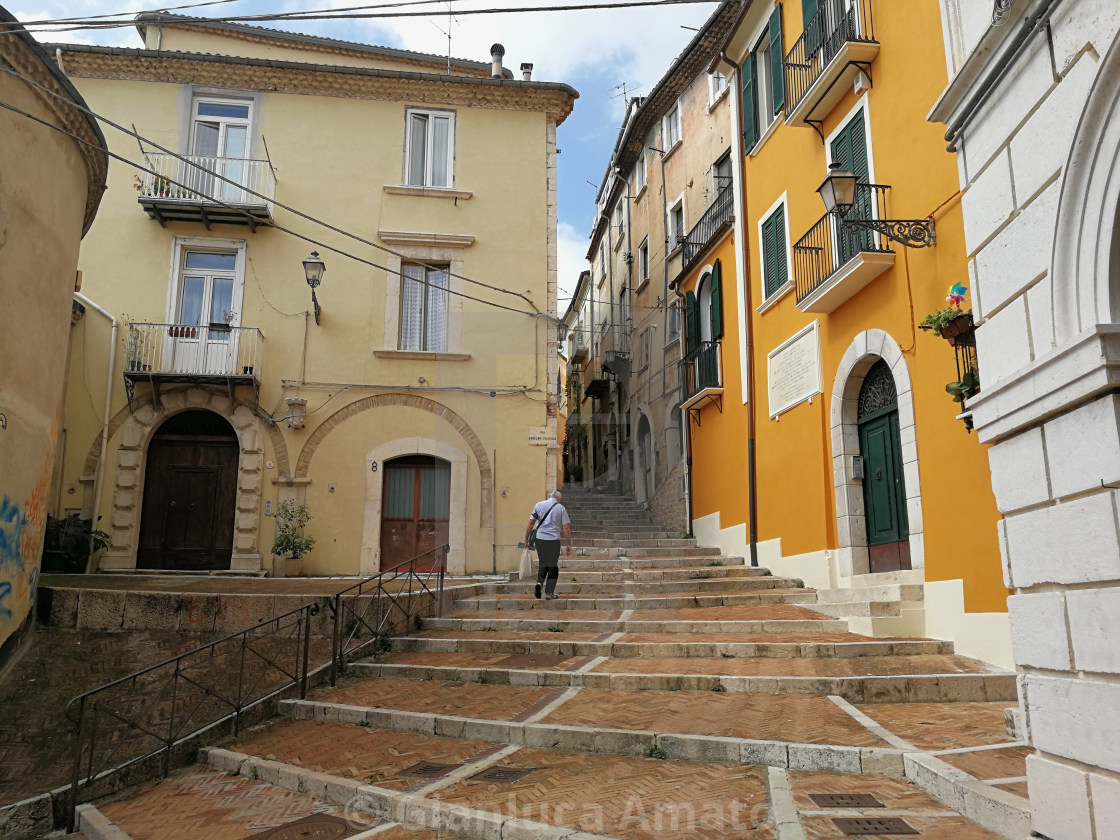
{"x": 415, "y": 512}
{"x": 884, "y": 488}
{"x": 190, "y": 497}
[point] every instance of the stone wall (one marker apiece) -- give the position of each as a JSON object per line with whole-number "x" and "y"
{"x": 667, "y": 507}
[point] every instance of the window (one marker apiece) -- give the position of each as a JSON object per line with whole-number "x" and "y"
{"x": 775, "y": 268}
{"x": 717, "y": 86}
{"x": 674, "y": 327}
{"x": 623, "y": 305}
{"x": 430, "y": 148}
{"x": 763, "y": 82}
{"x": 619, "y": 222}
{"x": 643, "y": 261}
{"x": 602, "y": 261}
{"x": 423, "y": 308}
{"x": 206, "y": 283}
{"x": 220, "y": 131}
{"x": 671, "y": 128}
{"x": 676, "y": 224}
{"x": 721, "y": 176}
{"x": 640, "y": 173}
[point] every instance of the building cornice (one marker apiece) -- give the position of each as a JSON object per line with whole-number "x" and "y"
{"x": 553, "y": 98}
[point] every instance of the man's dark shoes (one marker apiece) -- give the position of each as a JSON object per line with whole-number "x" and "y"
{"x": 537, "y": 591}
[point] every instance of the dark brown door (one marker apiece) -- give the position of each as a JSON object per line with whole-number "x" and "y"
{"x": 415, "y": 512}
{"x": 190, "y": 497}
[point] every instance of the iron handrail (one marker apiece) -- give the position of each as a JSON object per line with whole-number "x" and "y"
{"x": 836, "y": 23}
{"x": 701, "y": 368}
{"x": 714, "y": 220}
{"x": 84, "y": 711}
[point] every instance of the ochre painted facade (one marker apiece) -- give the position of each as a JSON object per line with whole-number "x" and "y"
{"x": 336, "y": 142}
{"x": 806, "y": 520}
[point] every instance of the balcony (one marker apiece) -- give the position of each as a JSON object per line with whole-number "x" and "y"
{"x": 702, "y": 376}
{"x": 834, "y": 260}
{"x": 715, "y": 220}
{"x": 189, "y": 189}
{"x": 578, "y": 347}
{"x": 838, "y": 43}
{"x": 212, "y": 354}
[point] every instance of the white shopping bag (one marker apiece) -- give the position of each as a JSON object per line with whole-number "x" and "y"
{"x": 526, "y": 571}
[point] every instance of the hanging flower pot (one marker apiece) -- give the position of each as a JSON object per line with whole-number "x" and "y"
{"x": 959, "y": 330}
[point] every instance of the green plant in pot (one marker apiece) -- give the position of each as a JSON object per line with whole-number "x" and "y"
{"x": 68, "y": 543}
{"x": 967, "y": 387}
{"x": 290, "y": 521}
{"x": 953, "y": 323}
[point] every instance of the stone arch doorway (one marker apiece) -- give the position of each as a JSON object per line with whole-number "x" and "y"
{"x": 643, "y": 478}
{"x": 190, "y": 494}
{"x": 415, "y": 510}
{"x": 887, "y": 528}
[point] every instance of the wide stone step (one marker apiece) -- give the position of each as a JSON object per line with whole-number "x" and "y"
{"x": 886, "y": 592}
{"x": 669, "y": 646}
{"x": 894, "y": 679}
{"x": 647, "y": 602}
{"x": 684, "y": 572}
{"x": 648, "y": 559}
{"x": 861, "y": 609}
{"x": 573, "y": 585}
{"x": 623, "y": 544}
{"x": 581, "y": 622}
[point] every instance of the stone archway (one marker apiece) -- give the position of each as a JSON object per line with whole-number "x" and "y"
{"x": 371, "y": 522}
{"x": 866, "y": 349}
{"x": 136, "y": 430}
{"x": 485, "y": 470}
{"x": 644, "y": 463}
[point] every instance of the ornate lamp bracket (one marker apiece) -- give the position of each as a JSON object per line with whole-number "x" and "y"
{"x": 913, "y": 233}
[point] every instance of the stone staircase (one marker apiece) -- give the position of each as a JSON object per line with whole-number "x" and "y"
{"x": 671, "y": 693}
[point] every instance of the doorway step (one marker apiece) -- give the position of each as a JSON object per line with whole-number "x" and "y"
{"x": 886, "y": 604}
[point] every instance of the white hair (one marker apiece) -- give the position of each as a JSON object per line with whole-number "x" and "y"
{"x": 557, "y": 495}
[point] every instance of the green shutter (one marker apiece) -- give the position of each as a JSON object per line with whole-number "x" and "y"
{"x": 774, "y": 252}
{"x": 750, "y": 104}
{"x": 781, "y": 269}
{"x": 717, "y": 301}
{"x": 849, "y": 148}
{"x": 777, "y": 66}
{"x": 811, "y": 27}
{"x": 692, "y": 322}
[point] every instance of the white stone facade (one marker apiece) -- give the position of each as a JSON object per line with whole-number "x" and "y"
{"x": 1040, "y": 170}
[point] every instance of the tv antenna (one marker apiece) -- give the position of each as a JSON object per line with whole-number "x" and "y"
{"x": 451, "y": 20}
{"x": 624, "y": 90}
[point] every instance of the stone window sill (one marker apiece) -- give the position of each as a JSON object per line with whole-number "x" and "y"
{"x": 427, "y": 192}
{"x": 422, "y": 355}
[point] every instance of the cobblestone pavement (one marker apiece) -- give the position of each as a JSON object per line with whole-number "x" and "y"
{"x": 604, "y": 715}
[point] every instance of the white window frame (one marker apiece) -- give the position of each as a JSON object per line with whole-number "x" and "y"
{"x": 602, "y": 261}
{"x": 643, "y": 263}
{"x": 192, "y": 243}
{"x": 409, "y": 113}
{"x": 640, "y": 174}
{"x": 673, "y": 318}
{"x": 671, "y": 125}
{"x": 424, "y": 310}
{"x": 214, "y": 99}
{"x": 764, "y": 86}
{"x": 716, "y": 90}
{"x": 786, "y": 287}
{"x": 674, "y": 244}
{"x": 619, "y": 222}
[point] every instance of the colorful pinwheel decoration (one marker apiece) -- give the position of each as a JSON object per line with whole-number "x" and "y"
{"x": 956, "y": 295}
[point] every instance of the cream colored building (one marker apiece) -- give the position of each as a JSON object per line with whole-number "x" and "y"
{"x": 51, "y": 174}
{"x": 418, "y": 405}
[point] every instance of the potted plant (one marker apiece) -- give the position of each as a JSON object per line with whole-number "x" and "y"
{"x": 969, "y": 386}
{"x": 68, "y": 544}
{"x": 290, "y": 540}
{"x": 952, "y": 323}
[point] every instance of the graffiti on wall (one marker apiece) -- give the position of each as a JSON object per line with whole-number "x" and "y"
{"x": 21, "y": 546}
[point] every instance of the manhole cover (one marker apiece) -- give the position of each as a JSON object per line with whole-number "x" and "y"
{"x": 314, "y": 827}
{"x": 529, "y": 660}
{"x": 845, "y": 800}
{"x": 873, "y": 826}
{"x": 503, "y": 775}
{"x": 429, "y": 769}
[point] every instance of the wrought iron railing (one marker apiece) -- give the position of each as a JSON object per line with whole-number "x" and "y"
{"x": 831, "y": 242}
{"x": 701, "y": 368}
{"x": 199, "y": 178}
{"x": 836, "y": 23}
{"x": 149, "y": 719}
{"x": 185, "y": 349}
{"x": 714, "y": 220}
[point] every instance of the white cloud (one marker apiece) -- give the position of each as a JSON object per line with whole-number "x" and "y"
{"x": 571, "y": 259}
{"x": 52, "y": 36}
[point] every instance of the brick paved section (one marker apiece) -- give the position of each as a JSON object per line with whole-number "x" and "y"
{"x": 197, "y": 803}
{"x": 464, "y": 699}
{"x": 628, "y": 798}
{"x": 797, "y": 718}
{"x": 1000, "y": 763}
{"x": 943, "y": 726}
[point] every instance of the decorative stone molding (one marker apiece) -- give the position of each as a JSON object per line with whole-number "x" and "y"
{"x": 444, "y": 240}
{"x": 485, "y": 470}
{"x": 427, "y": 192}
{"x": 866, "y": 349}
{"x": 371, "y": 522}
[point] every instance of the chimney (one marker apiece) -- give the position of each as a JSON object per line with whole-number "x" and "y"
{"x": 527, "y": 72}
{"x": 496, "y": 53}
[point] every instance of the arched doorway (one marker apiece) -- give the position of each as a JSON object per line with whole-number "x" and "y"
{"x": 416, "y": 508}
{"x": 884, "y": 488}
{"x": 190, "y": 494}
{"x": 643, "y": 481}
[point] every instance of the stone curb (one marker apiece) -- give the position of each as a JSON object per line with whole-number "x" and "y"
{"x": 27, "y": 818}
{"x": 672, "y": 650}
{"x": 96, "y": 826}
{"x": 407, "y": 808}
{"x": 769, "y": 625}
{"x": 910, "y": 688}
{"x": 879, "y": 761}
{"x": 997, "y": 810}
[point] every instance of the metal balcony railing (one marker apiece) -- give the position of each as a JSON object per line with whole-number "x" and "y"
{"x": 184, "y": 350}
{"x": 701, "y": 368}
{"x": 714, "y": 220}
{"x": 579, "y": 345}
{"x": 210, "y": 190}
{"x": 833, "y": 241}
{"x": 836, "y": 23}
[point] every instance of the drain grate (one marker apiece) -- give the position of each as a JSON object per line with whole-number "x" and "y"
{"x": 503, "y": 775}
{"x": 873, "y": 826}
{"x": 314, "y": 827}
{"x": 845, "y": 800}
{"x": 430, "y": 769}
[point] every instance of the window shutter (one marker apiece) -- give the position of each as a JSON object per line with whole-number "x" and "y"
{"x": 781, "y": 270}
{"x": 768, "y": 267}
{"x": 750, "y": 104}
{"x": 858, "y": 139}
{"x": 692, "y": 322}
{"x": 777, "y": 66}
{"x": 717, "y": 301}
{"x": 811, "y": 27}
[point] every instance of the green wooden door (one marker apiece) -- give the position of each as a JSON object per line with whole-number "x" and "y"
{"x": 884, "y": 495}
{"x": 849, "y": 149}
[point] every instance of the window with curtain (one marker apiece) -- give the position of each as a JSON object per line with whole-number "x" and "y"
{"x": 430, "y": 148}
{"x": 423, "y": 308}
{"x": 220, "y": 132}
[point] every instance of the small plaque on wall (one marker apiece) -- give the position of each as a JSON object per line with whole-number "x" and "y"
{"x": 540, "y": 436}
{"x": 794, "y": 370}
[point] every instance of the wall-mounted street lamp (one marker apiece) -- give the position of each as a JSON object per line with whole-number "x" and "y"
{"x": 838, "y": 192}
{"x": 313, "y": 270}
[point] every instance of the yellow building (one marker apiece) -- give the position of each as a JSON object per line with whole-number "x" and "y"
{"x": 867, "y": 482}
{"x": 407, "y": 398}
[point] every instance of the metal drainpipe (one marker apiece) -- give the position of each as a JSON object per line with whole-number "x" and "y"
{"x": 99, "y": 474}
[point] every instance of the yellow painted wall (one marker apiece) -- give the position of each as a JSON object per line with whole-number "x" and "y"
{"x": 336, "y": 172}
{"x": 795, "y": 480}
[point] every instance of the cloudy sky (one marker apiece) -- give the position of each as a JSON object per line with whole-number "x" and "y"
{"x": 595, "y": 51}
